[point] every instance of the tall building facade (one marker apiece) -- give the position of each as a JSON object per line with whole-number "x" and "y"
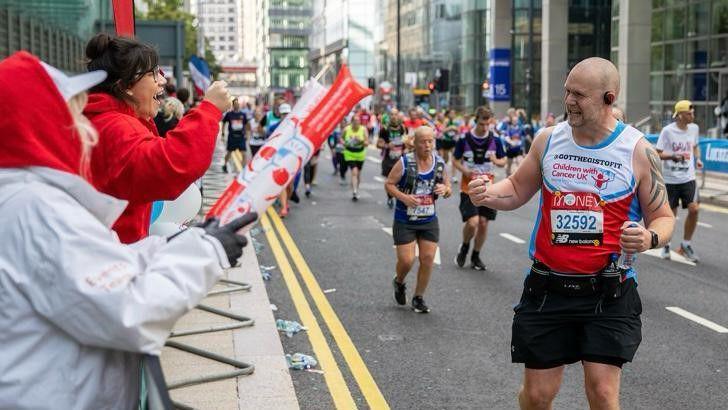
{"x": 55, "y": 31}
{"x": 519, "y": 52}
{"x": 221, "y": 23}
{"x": 343, "y": 31}
{"x": 688, "y": 57}
{"x": 284, "y": 27}
{"x": 414, "y": 47}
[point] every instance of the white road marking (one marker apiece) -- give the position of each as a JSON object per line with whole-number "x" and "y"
{"x": 379, "y": 179}
{"x": 697, "y": 319}
{"x": 714, "y": 208}
{"x": 674, "y": 256}
{"x": 704, "y": 225}
{"x": 438, "y": 259}
{"x": 512, "y": 238}
{"x": 374, "y": 160}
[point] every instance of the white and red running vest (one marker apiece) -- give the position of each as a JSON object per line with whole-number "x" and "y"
{"x": 586, "y": 196}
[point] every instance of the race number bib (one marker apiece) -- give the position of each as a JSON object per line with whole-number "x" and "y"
{"x": 236, "y": 125}
{"x": 425, "y": 208}
{"x": 482, "y": 169}
{"x": 577, "y": 219}
{"x": 396, "y": 151}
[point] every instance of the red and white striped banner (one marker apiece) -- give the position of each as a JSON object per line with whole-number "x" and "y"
{"x": 311, "y": 121}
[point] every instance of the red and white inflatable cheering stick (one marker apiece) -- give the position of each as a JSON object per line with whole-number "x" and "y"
{"x": 295, "y": 140}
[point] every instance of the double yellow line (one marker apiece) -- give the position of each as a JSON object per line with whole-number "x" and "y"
{"x": 334, "y": 379}
{"x": 340, "y": 392}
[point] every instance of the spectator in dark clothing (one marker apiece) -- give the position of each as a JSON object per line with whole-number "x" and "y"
{"x": 169, "y": 115}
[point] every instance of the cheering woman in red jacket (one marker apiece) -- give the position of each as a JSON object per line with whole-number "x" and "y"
{"x": 131, "y": 161}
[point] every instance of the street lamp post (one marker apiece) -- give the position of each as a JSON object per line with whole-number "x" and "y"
{"x": 399, "y": 64}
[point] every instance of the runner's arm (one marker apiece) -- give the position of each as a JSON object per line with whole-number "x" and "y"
{"x": 516, "y": 190}
{"x": 390, "y": 185}
{"x": 696, "y": 155}
{"x": 458, "y": 164}
{"x": 652, "y": 196}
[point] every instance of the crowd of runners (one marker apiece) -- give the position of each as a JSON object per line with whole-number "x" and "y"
{"x": 450, "y": 148}
{"x": 602, "y": 199}
{"x": 600, "y": 181}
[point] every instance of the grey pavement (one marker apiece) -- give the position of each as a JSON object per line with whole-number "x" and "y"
{"x": 713, "y": 188}
{"x": 270, "y": 385}
{"x": 457, "y": 357}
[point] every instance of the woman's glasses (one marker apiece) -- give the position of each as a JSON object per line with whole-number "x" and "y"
{"x": 156, "y": 72}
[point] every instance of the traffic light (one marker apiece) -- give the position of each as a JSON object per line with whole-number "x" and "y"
{"x": 443, "y": 83}
{"x": 431, "y": 86}
{"x": 372, "y": 83}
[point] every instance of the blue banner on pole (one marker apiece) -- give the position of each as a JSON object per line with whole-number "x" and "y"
{"x": 714, "y": 154}
{"x": 499, "y": 63}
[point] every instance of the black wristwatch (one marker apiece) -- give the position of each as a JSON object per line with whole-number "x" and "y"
{"x": 655, "y": 240}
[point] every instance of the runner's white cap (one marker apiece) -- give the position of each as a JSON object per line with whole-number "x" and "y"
{"x": 284, "y": 108}
{"x": 70, "y": 86}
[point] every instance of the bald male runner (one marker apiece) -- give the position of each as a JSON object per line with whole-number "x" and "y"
{"x": 599, "y": 178}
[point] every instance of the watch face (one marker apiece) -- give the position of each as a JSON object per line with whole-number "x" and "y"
{"x": 655, "y": 239}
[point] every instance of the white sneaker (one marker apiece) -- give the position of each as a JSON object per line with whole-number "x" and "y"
{"x": 688, "y": 252}
{"x": 665, "y": 252}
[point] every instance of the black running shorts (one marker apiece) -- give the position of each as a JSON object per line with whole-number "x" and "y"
{"x": 404, "y": 233}
{"x": 254, "y": 149}
{"x": 552, "y": 330}
{"x": 686, "y": 193}
{"x": 444, "y": 144}
{"x": 235, "y": 142}
{"x": 355, "y": 164}
{"x": 468, "y": 210}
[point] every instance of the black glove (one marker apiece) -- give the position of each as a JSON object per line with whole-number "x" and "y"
{"x": 231, "y": 241}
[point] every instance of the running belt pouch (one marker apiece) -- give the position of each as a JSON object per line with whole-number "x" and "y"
{"x": 355, "y": 149}
{"x": 537, "y": 280}
{"x": 610, "y": 281}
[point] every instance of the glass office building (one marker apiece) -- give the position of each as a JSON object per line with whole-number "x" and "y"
{"x": 689, "y": 58}
{"x": 56, "y": 31}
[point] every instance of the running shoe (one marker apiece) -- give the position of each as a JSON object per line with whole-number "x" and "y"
{"x": 688, "y": 253}
{"x": 476, "y": 263}
{"x": 418, "y": 305}
{"x": 462, "y": 255}
{"x": 355, "y": 197}
{"x": 390, "y": 203}
{"x": 665, "y": 254}
{"x": 454, "y": 180}
{"x": 342, "y": 182}
{"x": 308, "y": 192}
{"x": 224, "y": 168}
{"x": 283, "y": 212}
{"x": 399, "y": 292}
{"x": 295, "y": 198}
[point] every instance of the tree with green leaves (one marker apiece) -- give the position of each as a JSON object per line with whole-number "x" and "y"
{"x": 174, "y": 10}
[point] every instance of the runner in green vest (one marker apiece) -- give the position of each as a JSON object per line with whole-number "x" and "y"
{"x": 355, "y": 143}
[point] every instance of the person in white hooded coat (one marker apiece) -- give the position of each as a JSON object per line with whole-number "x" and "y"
{"x": 77, "y": 307}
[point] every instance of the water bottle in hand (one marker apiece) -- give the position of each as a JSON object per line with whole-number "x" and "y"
{"x": 628, "y": 259}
